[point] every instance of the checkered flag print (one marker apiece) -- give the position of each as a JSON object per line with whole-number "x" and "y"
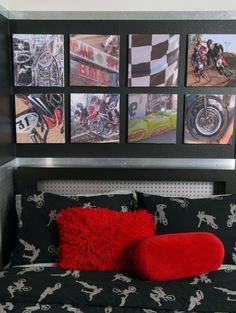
{"x": 153, "y": 60}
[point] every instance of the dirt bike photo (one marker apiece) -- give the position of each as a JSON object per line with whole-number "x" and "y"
{"x": 40, "y": 118}
{"x": 211, "y": 60}
{"x": 222, "y": 67}
{"x": 209, "y": 119}
{"x": 95, "y": 118}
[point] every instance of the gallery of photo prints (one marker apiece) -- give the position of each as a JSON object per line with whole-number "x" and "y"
{"x": 125, "y": 91}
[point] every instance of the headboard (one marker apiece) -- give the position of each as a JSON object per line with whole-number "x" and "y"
{"x": 224, "y": 181}
{"x": 28, "y": 177}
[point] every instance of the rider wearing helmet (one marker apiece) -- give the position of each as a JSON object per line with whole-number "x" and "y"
{"x": 196, "y": 59}
{"x": 82, "y": 112}
{"x": 215, "y": 50}
{"x": 201, "y": 48}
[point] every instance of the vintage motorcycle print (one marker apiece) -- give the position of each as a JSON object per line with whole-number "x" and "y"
{"x": 39, "y": 118}
{"x": 209, "y": 119}
{"x": 95, "y": 118}
{"x": 38, "y": 60}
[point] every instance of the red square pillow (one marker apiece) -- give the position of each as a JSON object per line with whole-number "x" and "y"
{"x": 101, "y": 239}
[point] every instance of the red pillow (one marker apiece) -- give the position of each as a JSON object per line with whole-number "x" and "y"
{"x": 175, "y": 256}
{"x": 101, "y": 239}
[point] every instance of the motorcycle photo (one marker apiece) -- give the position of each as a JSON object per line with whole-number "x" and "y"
{"x": 209, "y": 119}
{"x": 43, "y": 119}
{"x": 95, "y": 118}
{"x": 38, "y": 60}
{"x": 211, "y": 60}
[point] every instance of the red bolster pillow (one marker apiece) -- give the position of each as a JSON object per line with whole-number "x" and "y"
{"x": 175, "y": 256}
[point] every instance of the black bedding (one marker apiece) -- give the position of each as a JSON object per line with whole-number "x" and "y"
{"x": 40, "y": 289}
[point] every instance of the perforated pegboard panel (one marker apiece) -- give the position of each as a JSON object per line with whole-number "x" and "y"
{"x": 73, "y": 187}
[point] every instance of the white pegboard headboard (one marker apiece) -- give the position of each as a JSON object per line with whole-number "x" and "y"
{"x": 167, "y": 188}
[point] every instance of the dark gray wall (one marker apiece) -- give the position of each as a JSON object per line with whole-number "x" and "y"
{"x": 123, "y": 149}
{"x": 7, "y": 146}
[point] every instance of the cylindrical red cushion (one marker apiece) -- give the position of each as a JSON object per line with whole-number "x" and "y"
{"x": 175, "y": 256}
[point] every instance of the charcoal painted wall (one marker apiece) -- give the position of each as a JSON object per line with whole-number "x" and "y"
{"x": 7, "y": 146}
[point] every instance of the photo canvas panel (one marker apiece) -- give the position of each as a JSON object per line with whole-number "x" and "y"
{"x": 40, "y": 118}
{"x": 94, "y": 60}
{"x": 211, "y": 60}
{"x": 38, "y": 60}
{"x": 152, "y": 118}
{"x": 95, "y": 118}
{"x": 153, "y": 60}
{"x": 209, "y": 119}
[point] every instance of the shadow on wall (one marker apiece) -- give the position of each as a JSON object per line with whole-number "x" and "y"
{"x": 8, "y": 218}
{"x": 6, "y": 133}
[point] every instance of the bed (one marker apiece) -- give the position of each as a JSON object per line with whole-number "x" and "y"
{"x": 42, "y": 286}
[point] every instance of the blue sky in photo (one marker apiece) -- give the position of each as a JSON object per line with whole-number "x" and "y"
{"x": 228, "y": 41}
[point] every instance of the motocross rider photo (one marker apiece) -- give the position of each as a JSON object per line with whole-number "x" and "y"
{"x": 211, "y": 60}
{"x": 95, "y": 118}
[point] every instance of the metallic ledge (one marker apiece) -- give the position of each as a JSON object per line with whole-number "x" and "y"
{"x": 217, "y": 164}
{"x": 8, "y": 166}
{"x": 4, "y": 12}
{"x": 123, "y": 15}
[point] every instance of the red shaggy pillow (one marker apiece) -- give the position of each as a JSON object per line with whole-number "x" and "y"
{"x": 175, "y": 256}
{"x": 101, "y": 239}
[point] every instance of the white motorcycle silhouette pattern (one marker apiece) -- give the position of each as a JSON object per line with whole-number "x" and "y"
{"x": 37, "y": 307}
{"x": 70, "y": 308}
{"x": 37, "y": 199}
{"x": 124, "y": 208}
{"x": 228, "y": 292}
{"x": 124, "y": 293}
{"x": 53, "y": 215}
{"x": 2, "y": 274}
{"x": 159, "y": 294}
{"x": 53, "y": 250}
{"x": 234, "y": 255}
{"x": 208, "y": 219}
{"x": 108, "y": 309}
{"x": 18, "y": 286}
{"x": 232, "y": 216}
{"x": 183, "y": 202}
{"x": 30, "y": 248}
{"x": 31, "y": 269}
{"x": 49, "y": 291}
{"x": 75, "y": 274}
{"x": 88, "y": 205}
{"x": 195, "y": 300}
{"x": 201, "y": 278}
{"x": 8, "y": 306}
{"x": 92, "y": 290}
{"x": 122, "y": 277}
{"x": 159, "y": 215}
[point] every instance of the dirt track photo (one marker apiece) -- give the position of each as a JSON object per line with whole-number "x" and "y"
{"x": 211, "y": 60}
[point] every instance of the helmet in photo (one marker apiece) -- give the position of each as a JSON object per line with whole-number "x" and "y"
{"x": 209, "y": 42}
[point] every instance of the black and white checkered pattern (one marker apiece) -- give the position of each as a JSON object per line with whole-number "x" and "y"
{"x": 153, "y": 60}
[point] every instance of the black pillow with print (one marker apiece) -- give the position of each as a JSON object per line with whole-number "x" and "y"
{"x": 175, "y": 215}
{"x": 38, "y": 234}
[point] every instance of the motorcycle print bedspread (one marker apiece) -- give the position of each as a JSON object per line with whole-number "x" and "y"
{"x": 40, "y": 289}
